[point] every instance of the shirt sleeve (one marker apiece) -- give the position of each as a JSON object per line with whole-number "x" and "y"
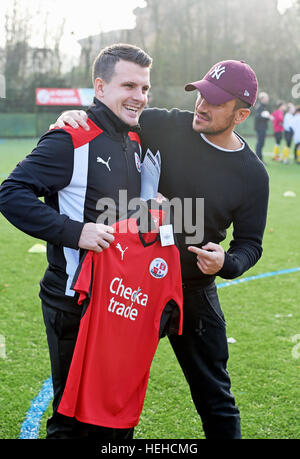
{"x": 159, "y": 123}
{"x": 47, "y": 169}
{"x": 249, "y": 223}
{"x": 83, "y": 278}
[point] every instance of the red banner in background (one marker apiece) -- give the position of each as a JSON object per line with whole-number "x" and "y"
{"x": 63, "y": 96}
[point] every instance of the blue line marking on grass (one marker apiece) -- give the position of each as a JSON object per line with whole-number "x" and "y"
{"x": 258, "y": 276}
{"x": 31, "y": 425}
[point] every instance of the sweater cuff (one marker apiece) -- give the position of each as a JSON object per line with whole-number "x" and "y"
{"x": 229, "y": 268}
{"x": 71, "y": 233}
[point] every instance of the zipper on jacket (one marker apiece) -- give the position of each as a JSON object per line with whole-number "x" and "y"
{"x": 124, "y": 145}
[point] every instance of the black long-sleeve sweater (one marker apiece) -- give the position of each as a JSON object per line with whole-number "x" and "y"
{"x": 234, "y": 185}
{"x": 260, "y": 123}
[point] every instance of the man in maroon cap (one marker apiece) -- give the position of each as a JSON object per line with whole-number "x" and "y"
{"x": 203, "y": 157}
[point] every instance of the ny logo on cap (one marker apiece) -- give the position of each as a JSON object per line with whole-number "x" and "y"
{"x": 217, "y": 71}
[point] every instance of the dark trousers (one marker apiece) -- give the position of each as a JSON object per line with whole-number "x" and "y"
{"x": 297, "y": 147}
{"x": 288, "y": 135}
{"x": 62, "y": 329}
{"x": 202, "y": 352}
{"x": 261, "y": 135}
{"x": 278, "y": 137}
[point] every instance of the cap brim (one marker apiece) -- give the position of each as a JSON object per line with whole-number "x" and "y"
{"x": 211, "y": 93}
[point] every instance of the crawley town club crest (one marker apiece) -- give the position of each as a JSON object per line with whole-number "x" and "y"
{"x": 137, "y": 162}
{"x": 158, "y": 268}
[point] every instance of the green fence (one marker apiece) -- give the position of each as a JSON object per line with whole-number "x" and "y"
{"x": 35, "y": 124}
{"x": 25, "y": 124}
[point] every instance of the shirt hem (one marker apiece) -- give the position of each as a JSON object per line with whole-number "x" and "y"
{"x": 98, "y": 422}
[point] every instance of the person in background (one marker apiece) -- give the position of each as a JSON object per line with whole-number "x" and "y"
{"x": 261, "y": 119}
{"x": 296, "y": 129}
{"x": 288, "y": 131}
{"x": 277, "y": 120}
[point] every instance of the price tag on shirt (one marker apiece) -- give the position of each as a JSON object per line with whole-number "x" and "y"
{"x": 166, "y": 235}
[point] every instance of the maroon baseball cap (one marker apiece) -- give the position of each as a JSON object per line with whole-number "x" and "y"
{"x": 225, "y": 81}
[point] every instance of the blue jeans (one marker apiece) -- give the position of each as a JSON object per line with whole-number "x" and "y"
{"x": 202, "y": 352}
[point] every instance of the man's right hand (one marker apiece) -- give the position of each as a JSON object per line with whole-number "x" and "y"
{"x": 73, "y": 118}
{"x": 96, "y": 237}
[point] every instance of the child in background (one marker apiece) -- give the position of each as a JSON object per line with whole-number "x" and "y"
{"x": 296, "y": 129}
{"x": 288, "y": 131}
{"x": 277, "y": 120}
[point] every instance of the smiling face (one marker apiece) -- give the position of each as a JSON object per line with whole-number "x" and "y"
{"x": 213, "y": 119}
{"x": 126, "y": 92}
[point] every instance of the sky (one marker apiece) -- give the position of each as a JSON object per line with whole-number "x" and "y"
{"x": 82, "y": 18}
{"x": 283, "y": 4}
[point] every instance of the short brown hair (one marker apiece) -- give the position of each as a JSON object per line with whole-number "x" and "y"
{"x": 104, "y": 64}
{"x": 239, "y": 103}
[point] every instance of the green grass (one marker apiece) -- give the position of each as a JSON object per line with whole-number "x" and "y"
{"x": 264, "y": 373}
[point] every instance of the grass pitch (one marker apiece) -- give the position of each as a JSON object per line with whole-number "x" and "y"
{"x": 262, "y": 316}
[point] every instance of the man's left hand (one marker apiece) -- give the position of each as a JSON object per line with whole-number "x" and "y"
{"x": 210, "y": 258}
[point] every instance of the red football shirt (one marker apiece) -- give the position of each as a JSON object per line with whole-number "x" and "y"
{"x": 128, "y": 287}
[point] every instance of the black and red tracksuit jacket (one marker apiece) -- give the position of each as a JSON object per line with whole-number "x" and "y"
{"x": 71, "y": 169}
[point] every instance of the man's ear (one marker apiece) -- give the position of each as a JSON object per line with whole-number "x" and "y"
{"x": 241, "y": 115}
{"x": 98, "y": 87}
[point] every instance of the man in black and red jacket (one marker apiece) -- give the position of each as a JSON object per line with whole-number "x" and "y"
{"x": 72, "y": 169}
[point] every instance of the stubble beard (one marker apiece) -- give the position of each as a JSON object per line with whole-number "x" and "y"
{"x": 216, "y": 131}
